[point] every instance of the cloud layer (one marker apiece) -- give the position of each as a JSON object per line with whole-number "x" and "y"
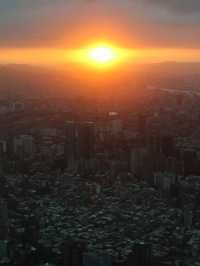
{"x": 148, "y": 23}
{"x": 191, "y": 6}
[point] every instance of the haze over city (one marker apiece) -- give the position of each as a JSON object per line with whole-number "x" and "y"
{"x": 99, "y": 132}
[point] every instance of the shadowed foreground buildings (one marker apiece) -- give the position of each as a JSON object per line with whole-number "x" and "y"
{"x": 67, "y": 220}
{"x": 120, "y": 190}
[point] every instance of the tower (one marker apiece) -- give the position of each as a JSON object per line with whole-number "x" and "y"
{"x": 70, "y": 144}
{"x": 86, "y": 142}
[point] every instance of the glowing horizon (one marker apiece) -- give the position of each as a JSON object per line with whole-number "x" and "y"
{"x": 96, "y": 54}
{"x": 100, "y": 54}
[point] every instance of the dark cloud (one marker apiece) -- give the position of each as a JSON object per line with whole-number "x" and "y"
{"x": 178, "y": 5}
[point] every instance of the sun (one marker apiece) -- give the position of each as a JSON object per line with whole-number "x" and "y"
{"x": 102, "y": 54}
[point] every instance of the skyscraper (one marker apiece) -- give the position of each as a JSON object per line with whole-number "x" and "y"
{"x": 86, "y": 137}
{"x": 86, "y": 142}
{"x": 79, "y": 148}
{"x": 71, "y": 145}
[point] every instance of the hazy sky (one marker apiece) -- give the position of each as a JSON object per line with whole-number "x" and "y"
{"x": 67, "y": 23}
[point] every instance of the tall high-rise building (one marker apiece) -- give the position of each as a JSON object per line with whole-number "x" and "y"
{"x": 24, "y": 145}
{"x": 142, "y": 125}
{"x": 168, "y": 146}
{"x": 3, "y": 150}
{"x": 86, "y": 143}
{"x": 86, "y": 137}
{"x": 71, "y": 144}
{"x": 3, "y": 219}
{"x": 79, "y": 148}
{"x": 141, "y": 256}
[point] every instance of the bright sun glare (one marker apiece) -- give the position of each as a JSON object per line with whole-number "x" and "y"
{"x": 102, "y": 54}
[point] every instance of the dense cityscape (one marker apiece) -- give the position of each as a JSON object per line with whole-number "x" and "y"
{"x": 99, "y": 132}
{"x": 110, "y": 185}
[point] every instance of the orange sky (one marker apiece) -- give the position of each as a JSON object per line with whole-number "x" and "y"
{"x": 44, "y": 56}
{"x": 38, "y": 31}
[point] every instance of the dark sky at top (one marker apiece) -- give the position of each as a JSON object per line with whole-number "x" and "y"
{"x": 149, "y": 23}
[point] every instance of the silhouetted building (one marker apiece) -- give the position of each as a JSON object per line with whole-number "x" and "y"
{"x": 90, "y": 259}
{"x": 189, "y": 158}
{"x": 141, "y": 256}
{"x": 167, "y": 146}
{"x": 23, "y": 146}
{"x": 86, "y": 143}
{"x": 142, "y": 125}
{"x": 3, "y": 220}
{"x": 71, "y": 144}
